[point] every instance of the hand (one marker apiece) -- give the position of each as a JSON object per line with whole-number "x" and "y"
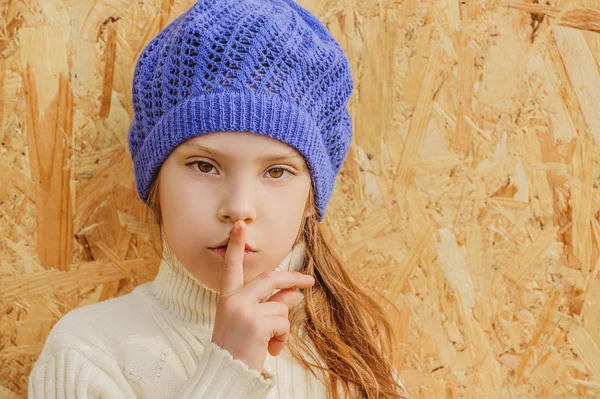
{"x": 249, "y": 321}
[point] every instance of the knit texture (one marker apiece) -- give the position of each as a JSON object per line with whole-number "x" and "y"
{"x": 155, "y": 343}
{"x": 261, "y": 66}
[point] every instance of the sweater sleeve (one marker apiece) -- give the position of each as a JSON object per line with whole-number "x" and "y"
{"x": 220, "y": 375}
{"x": 67, "y": 373}
{"x": 70, "y": 367}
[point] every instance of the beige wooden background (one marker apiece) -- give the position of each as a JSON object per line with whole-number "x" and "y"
{"x": 470, "y": 196}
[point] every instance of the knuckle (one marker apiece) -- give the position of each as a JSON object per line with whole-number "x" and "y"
{"x": 282, "y": 308}
{"x": 253, "y": 325}
{"x": 259, "y": 327}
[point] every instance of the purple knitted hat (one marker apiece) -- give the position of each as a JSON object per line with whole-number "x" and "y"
{"x": 262, "y": 66}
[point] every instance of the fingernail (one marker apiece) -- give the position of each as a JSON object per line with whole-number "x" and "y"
{"x": 309, "y": 278}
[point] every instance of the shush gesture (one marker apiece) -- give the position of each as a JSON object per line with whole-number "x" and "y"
{"x": 249, "y": 321}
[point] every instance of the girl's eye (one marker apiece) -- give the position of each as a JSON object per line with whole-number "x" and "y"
{"x": 205, "y": 167}
{"x": 280, "y": 171}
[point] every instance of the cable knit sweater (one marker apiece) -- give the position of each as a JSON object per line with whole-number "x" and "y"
{"x": 155, "y": 342}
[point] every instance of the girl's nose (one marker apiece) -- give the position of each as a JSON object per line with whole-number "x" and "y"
{"x": 238, "y": 204}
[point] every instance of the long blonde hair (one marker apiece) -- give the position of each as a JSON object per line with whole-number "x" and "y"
{"x": 347, "y": 328}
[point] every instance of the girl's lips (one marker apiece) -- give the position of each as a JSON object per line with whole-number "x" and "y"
{"x": 226, "y": 242}
{"x": 221, "y": 252}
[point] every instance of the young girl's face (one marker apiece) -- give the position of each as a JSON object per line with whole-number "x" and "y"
{"x": 212, "y": 180}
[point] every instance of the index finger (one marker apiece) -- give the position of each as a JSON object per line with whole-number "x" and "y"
{"x": 232, "y": 277}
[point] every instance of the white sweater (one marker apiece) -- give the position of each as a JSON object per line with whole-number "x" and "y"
{"x": 155, "y": 342}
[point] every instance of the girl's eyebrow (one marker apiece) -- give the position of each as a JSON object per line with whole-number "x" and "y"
{"x": 264, "y": 158}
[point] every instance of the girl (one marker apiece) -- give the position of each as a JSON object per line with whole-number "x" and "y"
{"x": 239, "y": 131}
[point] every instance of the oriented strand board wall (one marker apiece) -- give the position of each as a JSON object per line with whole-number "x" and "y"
{"x": 471, "y": 195}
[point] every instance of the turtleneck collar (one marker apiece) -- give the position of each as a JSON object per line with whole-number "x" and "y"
{"x": 190, "y": 300}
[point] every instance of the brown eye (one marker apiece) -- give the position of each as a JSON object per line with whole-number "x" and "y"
{"x": 203, "y": 167}
{"x": 277, "y": 175}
